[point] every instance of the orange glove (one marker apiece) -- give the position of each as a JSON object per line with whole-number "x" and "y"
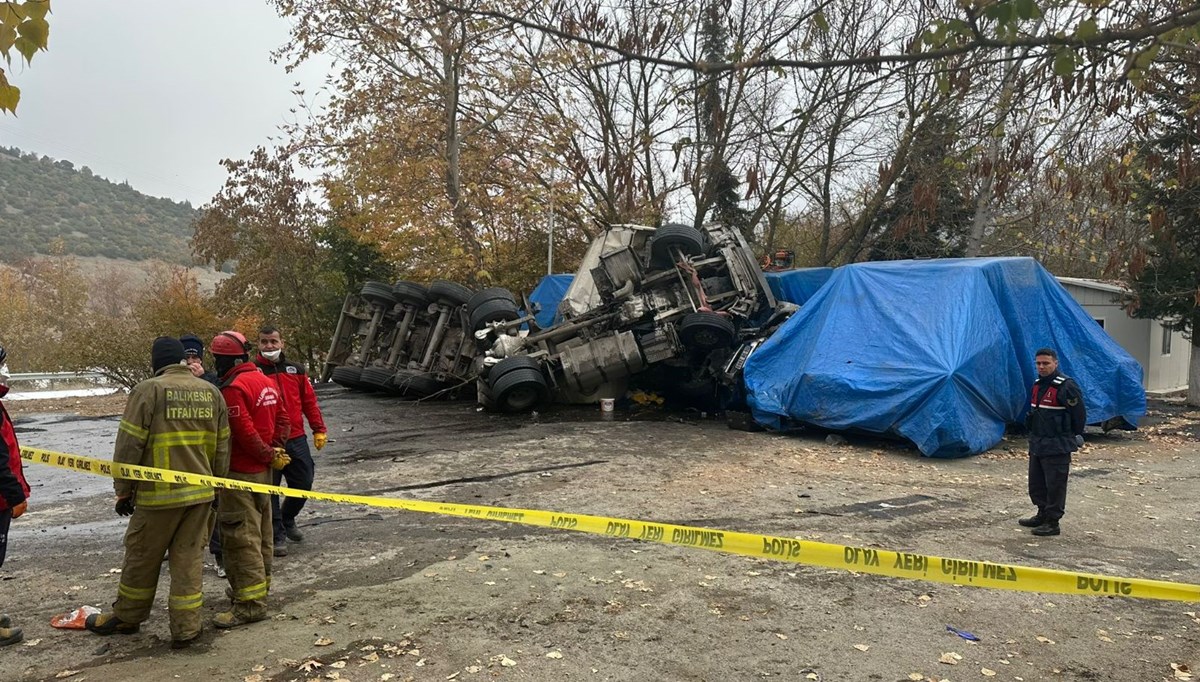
{"x": 20, "y": 509}
{"x": 320, "y": 439}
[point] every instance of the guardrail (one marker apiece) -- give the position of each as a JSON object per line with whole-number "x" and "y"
{"x": 49, "y": 376}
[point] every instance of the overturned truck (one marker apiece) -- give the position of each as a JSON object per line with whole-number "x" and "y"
{"x": 673, "y": 309}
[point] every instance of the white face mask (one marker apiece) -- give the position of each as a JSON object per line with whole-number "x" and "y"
{"x": 272, "y": 355}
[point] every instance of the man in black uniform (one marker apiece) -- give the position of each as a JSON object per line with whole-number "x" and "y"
{"x": 1055, "y": 424}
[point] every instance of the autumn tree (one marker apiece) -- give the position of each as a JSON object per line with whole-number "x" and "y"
{"x": 23, "y": 27}
{"x": 433, "y": 143}
{"x": 1165, "y": 271}
{"x": 116, "y": 341}
{"x": 265, "y": 222}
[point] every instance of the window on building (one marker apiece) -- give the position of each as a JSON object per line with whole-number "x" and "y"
{"x": 1099, "y": 321}
{"x": 1166, "y": 344}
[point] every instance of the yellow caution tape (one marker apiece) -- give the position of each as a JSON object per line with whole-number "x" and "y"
{"x": 859, "y": 559}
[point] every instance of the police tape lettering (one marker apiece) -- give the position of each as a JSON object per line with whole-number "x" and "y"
{"x": 858, "y": 559}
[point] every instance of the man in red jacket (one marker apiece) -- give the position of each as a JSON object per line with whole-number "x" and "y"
{"x": 14, "y": 491}
{"x": 300, "y": 402}
{"x": 259, "y": 427}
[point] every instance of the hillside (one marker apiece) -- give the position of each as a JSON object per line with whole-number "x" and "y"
{"x": 42, "y": 200}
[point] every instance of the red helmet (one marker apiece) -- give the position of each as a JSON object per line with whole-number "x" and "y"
{"x": 229, "y": 343}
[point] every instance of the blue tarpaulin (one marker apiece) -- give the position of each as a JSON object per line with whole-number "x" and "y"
{"x": 797, "y": 286}
{"x": 547, "y": 294}
{"x": 939, "y": 352}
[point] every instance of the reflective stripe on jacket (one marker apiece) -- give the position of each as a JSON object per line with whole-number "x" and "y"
{"x": 178, "y": 422}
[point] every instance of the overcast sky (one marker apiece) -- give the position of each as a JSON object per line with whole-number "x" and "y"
{"x": 155, "y": 92}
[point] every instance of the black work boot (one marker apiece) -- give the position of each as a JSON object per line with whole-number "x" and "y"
{"x": 108, "y": 624}
{"x": 1033, "y": 521}
{"x": 1047, "y": 528}
{"x": 292, "y": 532}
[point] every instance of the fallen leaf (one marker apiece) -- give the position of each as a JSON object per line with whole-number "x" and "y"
{"x": 780, "y": 635}
{"x": 252, "y": 678}
{"x": 421, "y": 663}
{"x": 66, "y": 673}
{"x": 812, "y": 676}
{"x": 473, "y": 669}
{"x": 988, "y": 673}
{"x": 539, "y": 572}
{"x": 1182, "y": 672}
{"x": 371, "y": 657}
{"x": 323, "y": 641}
{"x": 386, "y": 676}
{"x": 33, "y": 642}
{"x": 554, "y": 654}
{"x": 507, "y": 662}
{"x": 259, "y": 668}
{"x": 338, "y": 664}
{"x": 917, "y": 677}
{"x": 1045, "y": 640}
{"x": 451, "y": 676}
{"x": 862, "y": 647}
{"x": 310, "y": 666}
{"x": 950, "y": 658}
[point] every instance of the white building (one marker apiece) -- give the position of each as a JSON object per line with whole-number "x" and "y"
{"x": 1162, "y": 352}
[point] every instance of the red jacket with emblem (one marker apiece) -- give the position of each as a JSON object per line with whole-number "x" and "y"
{"x": 257, "y": 421}
{"x": 299, "y": 399}
{"x": 13, "y": 488}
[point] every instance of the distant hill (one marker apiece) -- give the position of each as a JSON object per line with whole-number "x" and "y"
{"x": 42, "y": 200}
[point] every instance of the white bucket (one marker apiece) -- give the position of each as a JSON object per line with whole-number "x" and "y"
{"x": 606, "y": 404}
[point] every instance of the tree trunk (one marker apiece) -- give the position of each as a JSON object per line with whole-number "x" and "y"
{"x": 461, "y": 216}
{"x": 1193, "y": 394}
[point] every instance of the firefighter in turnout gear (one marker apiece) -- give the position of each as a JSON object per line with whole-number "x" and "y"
{"x": 259, "y": 426}
{"x": 1056, "y": 420}
{"x": 172, "y": 421}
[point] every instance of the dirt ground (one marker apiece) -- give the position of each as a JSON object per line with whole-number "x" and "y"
{"x": 382, "y": 595}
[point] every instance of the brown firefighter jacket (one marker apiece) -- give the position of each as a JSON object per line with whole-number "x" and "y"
{"x": 173, "y": 421}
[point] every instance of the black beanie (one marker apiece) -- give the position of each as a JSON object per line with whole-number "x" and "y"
{"x": 165, "y": 351}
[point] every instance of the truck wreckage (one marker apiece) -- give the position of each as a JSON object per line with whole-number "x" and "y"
{"x": 673, "y": 309}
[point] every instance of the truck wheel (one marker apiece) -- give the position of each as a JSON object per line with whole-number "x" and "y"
{"x": 495, "y": 310}
{"x": 451, "y": 293}
{"x": 413, "y": 384}
{"x": 509, "y": 364}
{"x": 379, "y": 294}
{"x": 379, "y": 378}
{"x": 346, "y": 376}
{"x": 411, "y": 293}
{"x": 520, "y": 390}
{"x": 686, "y": 238}
{"x": 706, "y": 331}
{"x": 490, "y": 294}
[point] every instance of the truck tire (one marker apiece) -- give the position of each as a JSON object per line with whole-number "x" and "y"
{"x": 414, "y": 384}
{"x": 495, "y": 310}
{"x": 379, "y": 294}
{"x": 509, "y": 364}
{"x": 520, "y": 390}
{"x": 379, "y": 378}
{"x": 346, "y": 376}
{"x": 707, "y": 331}
{"x": 450, "y": 293}
{"x": 411, "y": 293}
{"x": 490, "y": 294}
{"x": 686, "y": 238}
